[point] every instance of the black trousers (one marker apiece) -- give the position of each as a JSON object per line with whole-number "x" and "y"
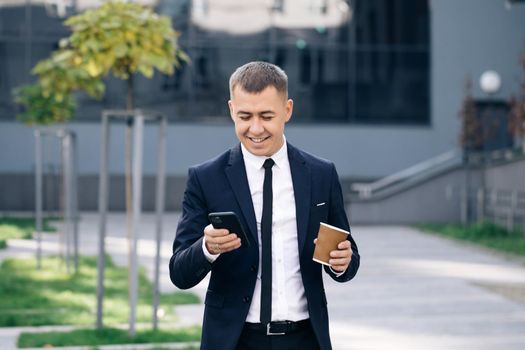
{"x": 302, "y": 339}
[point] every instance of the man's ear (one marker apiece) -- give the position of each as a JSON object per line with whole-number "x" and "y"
{"x": 230, "y": 106}
{"x": 289, "y": 110}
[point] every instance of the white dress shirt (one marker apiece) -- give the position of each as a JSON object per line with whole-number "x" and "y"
{"x": 288, "y": 295}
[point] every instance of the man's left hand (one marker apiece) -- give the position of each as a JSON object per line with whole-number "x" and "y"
{"x": 341, "y": 257}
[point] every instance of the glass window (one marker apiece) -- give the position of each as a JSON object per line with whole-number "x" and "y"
{"x": 369, "y": 68}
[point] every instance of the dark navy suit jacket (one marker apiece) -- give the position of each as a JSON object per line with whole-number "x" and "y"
{"x": 221, "y": 185}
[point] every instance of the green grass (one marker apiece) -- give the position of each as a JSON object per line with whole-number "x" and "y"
{"x": 485, "y": 234}
{"x": 50, "y": 296}
{"x": 107, "y": 336}
{"x": 20, "y": 228}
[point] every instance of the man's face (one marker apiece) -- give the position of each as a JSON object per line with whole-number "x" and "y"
{"x": 259, "y": 119}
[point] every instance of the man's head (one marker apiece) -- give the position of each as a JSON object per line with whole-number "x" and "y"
{"x": 259, "y": 106}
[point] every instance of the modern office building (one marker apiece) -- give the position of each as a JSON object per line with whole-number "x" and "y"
{"x": 377, "y": 84}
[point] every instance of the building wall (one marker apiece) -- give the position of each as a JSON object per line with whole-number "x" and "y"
{"x": 468, "y": 37}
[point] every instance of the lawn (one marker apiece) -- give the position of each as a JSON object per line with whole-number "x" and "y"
{"x": 20, "y": 228}
{"x": 485, "y": 234}
{"x": 107, "y": 336}
{"x": 50, "y": 296}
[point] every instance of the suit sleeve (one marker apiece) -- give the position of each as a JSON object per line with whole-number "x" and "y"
{"x": 188, "y": 264}
{"x": 337, "y": 217}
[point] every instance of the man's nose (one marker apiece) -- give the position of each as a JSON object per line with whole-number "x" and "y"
{"x": 256, "y": 126}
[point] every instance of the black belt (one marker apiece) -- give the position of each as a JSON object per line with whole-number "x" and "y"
{"x": 278, "y": 327}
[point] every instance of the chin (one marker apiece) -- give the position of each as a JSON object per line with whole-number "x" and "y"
{"x": 258, "y": 152}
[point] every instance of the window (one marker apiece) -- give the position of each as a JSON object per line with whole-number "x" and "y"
{"x": 369, "y": 68}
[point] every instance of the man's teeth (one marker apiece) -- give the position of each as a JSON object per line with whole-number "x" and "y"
{"x": 257, "y": 140}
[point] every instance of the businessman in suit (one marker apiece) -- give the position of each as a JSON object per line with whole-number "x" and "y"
{"x": 266, "y": 292}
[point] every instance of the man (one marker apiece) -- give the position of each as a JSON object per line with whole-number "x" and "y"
{"x": 269, "y": 295}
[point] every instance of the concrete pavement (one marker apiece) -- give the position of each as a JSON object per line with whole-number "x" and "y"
{"x": 413, "y": 291}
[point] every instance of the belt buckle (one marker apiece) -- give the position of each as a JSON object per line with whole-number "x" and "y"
{"x": 269, "y": 331}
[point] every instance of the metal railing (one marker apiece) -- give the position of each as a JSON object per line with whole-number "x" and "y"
{"x": 409, "y": 176}
{"x": 68, "y": 191}
{"x": 502, "y": 206}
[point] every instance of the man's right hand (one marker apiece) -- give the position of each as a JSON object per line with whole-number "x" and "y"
{"x": 220, "y": 240}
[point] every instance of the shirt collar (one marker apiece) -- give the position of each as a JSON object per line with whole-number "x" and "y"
{"x": 280, "y": 157}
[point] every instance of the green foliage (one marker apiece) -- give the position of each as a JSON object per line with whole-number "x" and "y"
{"x": 117, "y": 38}
{"x": 486, "y": 234}
{"x": 43, "y": 108}
{"x": 50, "y": 296}
{"x": 21, "y": 228}
{"x": 123, "y": 38}
{"x": 107, "y": 336}
{"x": 64, "y": 72}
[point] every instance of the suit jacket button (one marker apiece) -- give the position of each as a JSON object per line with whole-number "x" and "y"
{"x": 246, "y": 299}
{"x": 253, "y": 268}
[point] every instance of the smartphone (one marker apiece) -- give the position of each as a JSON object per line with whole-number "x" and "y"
{"x": 229, "y": 221}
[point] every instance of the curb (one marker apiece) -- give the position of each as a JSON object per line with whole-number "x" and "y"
{"x": 182, "y": 345}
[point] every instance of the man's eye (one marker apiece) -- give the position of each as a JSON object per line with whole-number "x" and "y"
{"x": 244, "y": 117}
{"x": 267, "y": 117}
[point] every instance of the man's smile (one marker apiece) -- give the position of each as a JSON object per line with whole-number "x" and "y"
{"x": 258, "y": 139}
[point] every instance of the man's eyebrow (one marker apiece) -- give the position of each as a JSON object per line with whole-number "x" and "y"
{"x": 243, "y": 112}
{"x": 267, "y": 112}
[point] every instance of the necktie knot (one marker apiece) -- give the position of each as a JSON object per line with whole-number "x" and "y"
{"x": 268, "y": 163}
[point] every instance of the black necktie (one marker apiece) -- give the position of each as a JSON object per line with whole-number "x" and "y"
{"x": 266, "y": 238}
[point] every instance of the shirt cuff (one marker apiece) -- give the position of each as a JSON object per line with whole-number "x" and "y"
{"x": 337, "y": 273}
{"x": 209, "y": 256}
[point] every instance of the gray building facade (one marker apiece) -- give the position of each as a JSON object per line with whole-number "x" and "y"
{"x": 377, "y": 85}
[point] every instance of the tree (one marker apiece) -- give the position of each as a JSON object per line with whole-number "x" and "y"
{"x": 119, "y": 39}
{"x": 50, "y": 100}
{"x": 517, "y": 112}
{"x": 123, "y": 39}
{"x": 471, "y": 132}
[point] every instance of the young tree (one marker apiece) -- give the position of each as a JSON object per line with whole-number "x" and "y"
{"x": 517, "y": 112}
{"x": 471, "y": 132}
{"x": 119, "y": 39}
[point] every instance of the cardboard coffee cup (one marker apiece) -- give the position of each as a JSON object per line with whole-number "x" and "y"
{"x": 328, "y": 238}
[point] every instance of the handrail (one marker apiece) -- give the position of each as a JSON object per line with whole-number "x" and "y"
{"x": 427, "y": 167}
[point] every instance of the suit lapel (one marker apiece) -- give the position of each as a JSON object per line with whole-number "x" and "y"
{"x": 301, "y": 178}
{"x": 236, "y": 174}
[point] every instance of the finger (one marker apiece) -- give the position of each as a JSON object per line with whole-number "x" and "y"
{"x": 212, "y": 232}
{"x": 224, "y": 239}
{"x": 339, "y": 268}
{"x": 315, "y": 241}
{"x": 217, "y": 232}
{"x": 227, "y": 247}
{"x": 339, "y": 261}
{"x": 340, "y": 253}
{"x": 343, "y": 245}
{"x": 339, "y": 264}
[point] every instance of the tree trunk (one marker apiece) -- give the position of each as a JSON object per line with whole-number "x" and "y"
{"x": 129, "y": 194}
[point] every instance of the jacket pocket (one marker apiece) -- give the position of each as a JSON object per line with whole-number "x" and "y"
{"x": 319, "y": 212}
{"x": 214, "y": 299}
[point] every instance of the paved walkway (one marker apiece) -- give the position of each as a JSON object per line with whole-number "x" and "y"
{"x": 413, "y": 291}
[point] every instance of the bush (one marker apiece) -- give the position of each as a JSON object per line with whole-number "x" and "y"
{"x": 486, "y": 233}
